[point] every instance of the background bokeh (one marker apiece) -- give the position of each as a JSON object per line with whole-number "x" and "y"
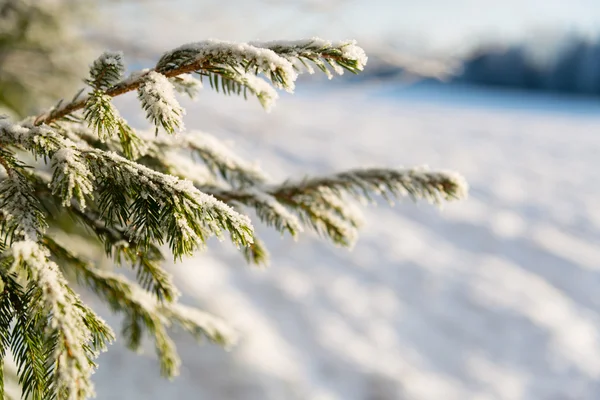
{"x": 496, "y": 297}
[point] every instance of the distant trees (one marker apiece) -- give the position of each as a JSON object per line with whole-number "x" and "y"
{"x": 574, "y": 69}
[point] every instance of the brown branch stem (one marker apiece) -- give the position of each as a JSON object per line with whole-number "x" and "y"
{"x": 120, "y": 88}
{"x": 125, "y": 86}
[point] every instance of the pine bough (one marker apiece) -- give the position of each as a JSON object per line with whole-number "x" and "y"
{"x": 81, "y": 170}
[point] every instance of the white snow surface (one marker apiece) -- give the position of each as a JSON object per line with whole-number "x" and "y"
{"x": 495, "y": 297}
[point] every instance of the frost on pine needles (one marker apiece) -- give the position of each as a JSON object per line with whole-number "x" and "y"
{"x": 235, "y": 55}
{"x": 72, "y": 177}
{"x": 95, "y": 179}
{"x": 107, "y": 70}
{"x": 187, "y": 84}
{"x": 157, "y": 96}
{"x": 74, "y": 344}
{"x": 340, "y": 56}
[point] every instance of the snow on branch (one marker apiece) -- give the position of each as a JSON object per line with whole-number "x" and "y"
{"x": 71, "y": 177}
{"x": 166, "y": 206}
{"x": 161, "y": 205}
{"x": 101, "y": 115}
{"x": 218, "y": 158}
{"x": 20, "y": 212}
{"x": 146, "y": 261}
{"x": 321, "y": 210}
{"x": 233, "y": 61}
{"x": 321, "y": 200}
{"x": 267, "y": 208}
{"x": 42, "y": 141}
{"x": 200, "y": 324}
{"x": 157, "y": 96}
{"x": 322, "y": 203}
{"x": 338, "y": 55}
{"x": 141, "y": 309}
{"x": 186, "y": 84}
{"x": 236, "y": 82}
{"x": 417, "y": 183}
{"x": 141, "y": 313}
{"x": 106, "y": 70}
{"x": 75, "y": 343}
{"x": 217, "y": 53}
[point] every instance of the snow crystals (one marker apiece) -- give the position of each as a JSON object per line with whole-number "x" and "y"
{"x": 235, "y": 54}
{"x": 157, "y": 96}
{"x": 351, "y": 51}
{"x": 71, "y": 176}
{"x": 73, "y": 367}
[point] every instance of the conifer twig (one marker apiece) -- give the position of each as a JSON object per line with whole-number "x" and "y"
{"x": 344, "y": 54}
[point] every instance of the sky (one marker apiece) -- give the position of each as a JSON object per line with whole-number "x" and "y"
{"x": 448, "y": 22}
{"x": 435, "y": 25}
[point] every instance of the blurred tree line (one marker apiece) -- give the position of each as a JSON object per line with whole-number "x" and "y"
{"x": 569, "y": 64}
{"x": 573, "y": 68}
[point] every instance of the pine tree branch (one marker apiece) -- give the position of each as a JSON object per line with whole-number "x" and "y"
{"x": 123, "y": 87}
{"x": 140, "y": 307}
{"x": 121, "y": 246}
{"x": 257, "y": 253}
{"x": 338, "y": 55}
{"x": 417, "y": 183}
{"x": 128, "y": 85}
{"x": 165, "y": 206}
{"x": 218, "y": 158}
{"x": 320, "y": 202}
{"x": 154, "y": 201}
{"x": 267, "y": 207}
{"x": 133, "y": 207}
{"x": 147, "y": 263}
{"x": 30, "y": 348}
{"x": 126, "y": 297}
{"x": 74, "y": 345}
{"x": 20, "y": 210}
{"x": 200, "y": 324}
{"x": 273, "y": 60}
{"x": 240, "y": 82}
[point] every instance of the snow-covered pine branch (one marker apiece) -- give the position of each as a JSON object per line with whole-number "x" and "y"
{"x": 106, "y": 70}
{"x": 74, "y": 345}
{"x": 144, "y": 312}
{"x": 96, "y": 179}
{"x": 216, "y": 156}
{"x": 157, "y": 96}
{"x": 21, "y": 215}
{"x": 418, "y": 183}
{"x": 339, "y": 55}
{"x": 231, "y": 81}
{"x": 163, "y": 207}
{"x": 187, "y": 84}
{"x": 322, "y": 204}
{"x": 278, "y": 61}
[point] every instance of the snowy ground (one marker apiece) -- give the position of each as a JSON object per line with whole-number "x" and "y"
{"x": 493, "y": 298}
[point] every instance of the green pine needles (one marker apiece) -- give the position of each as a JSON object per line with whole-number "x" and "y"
{"x": 80, "y": 171}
